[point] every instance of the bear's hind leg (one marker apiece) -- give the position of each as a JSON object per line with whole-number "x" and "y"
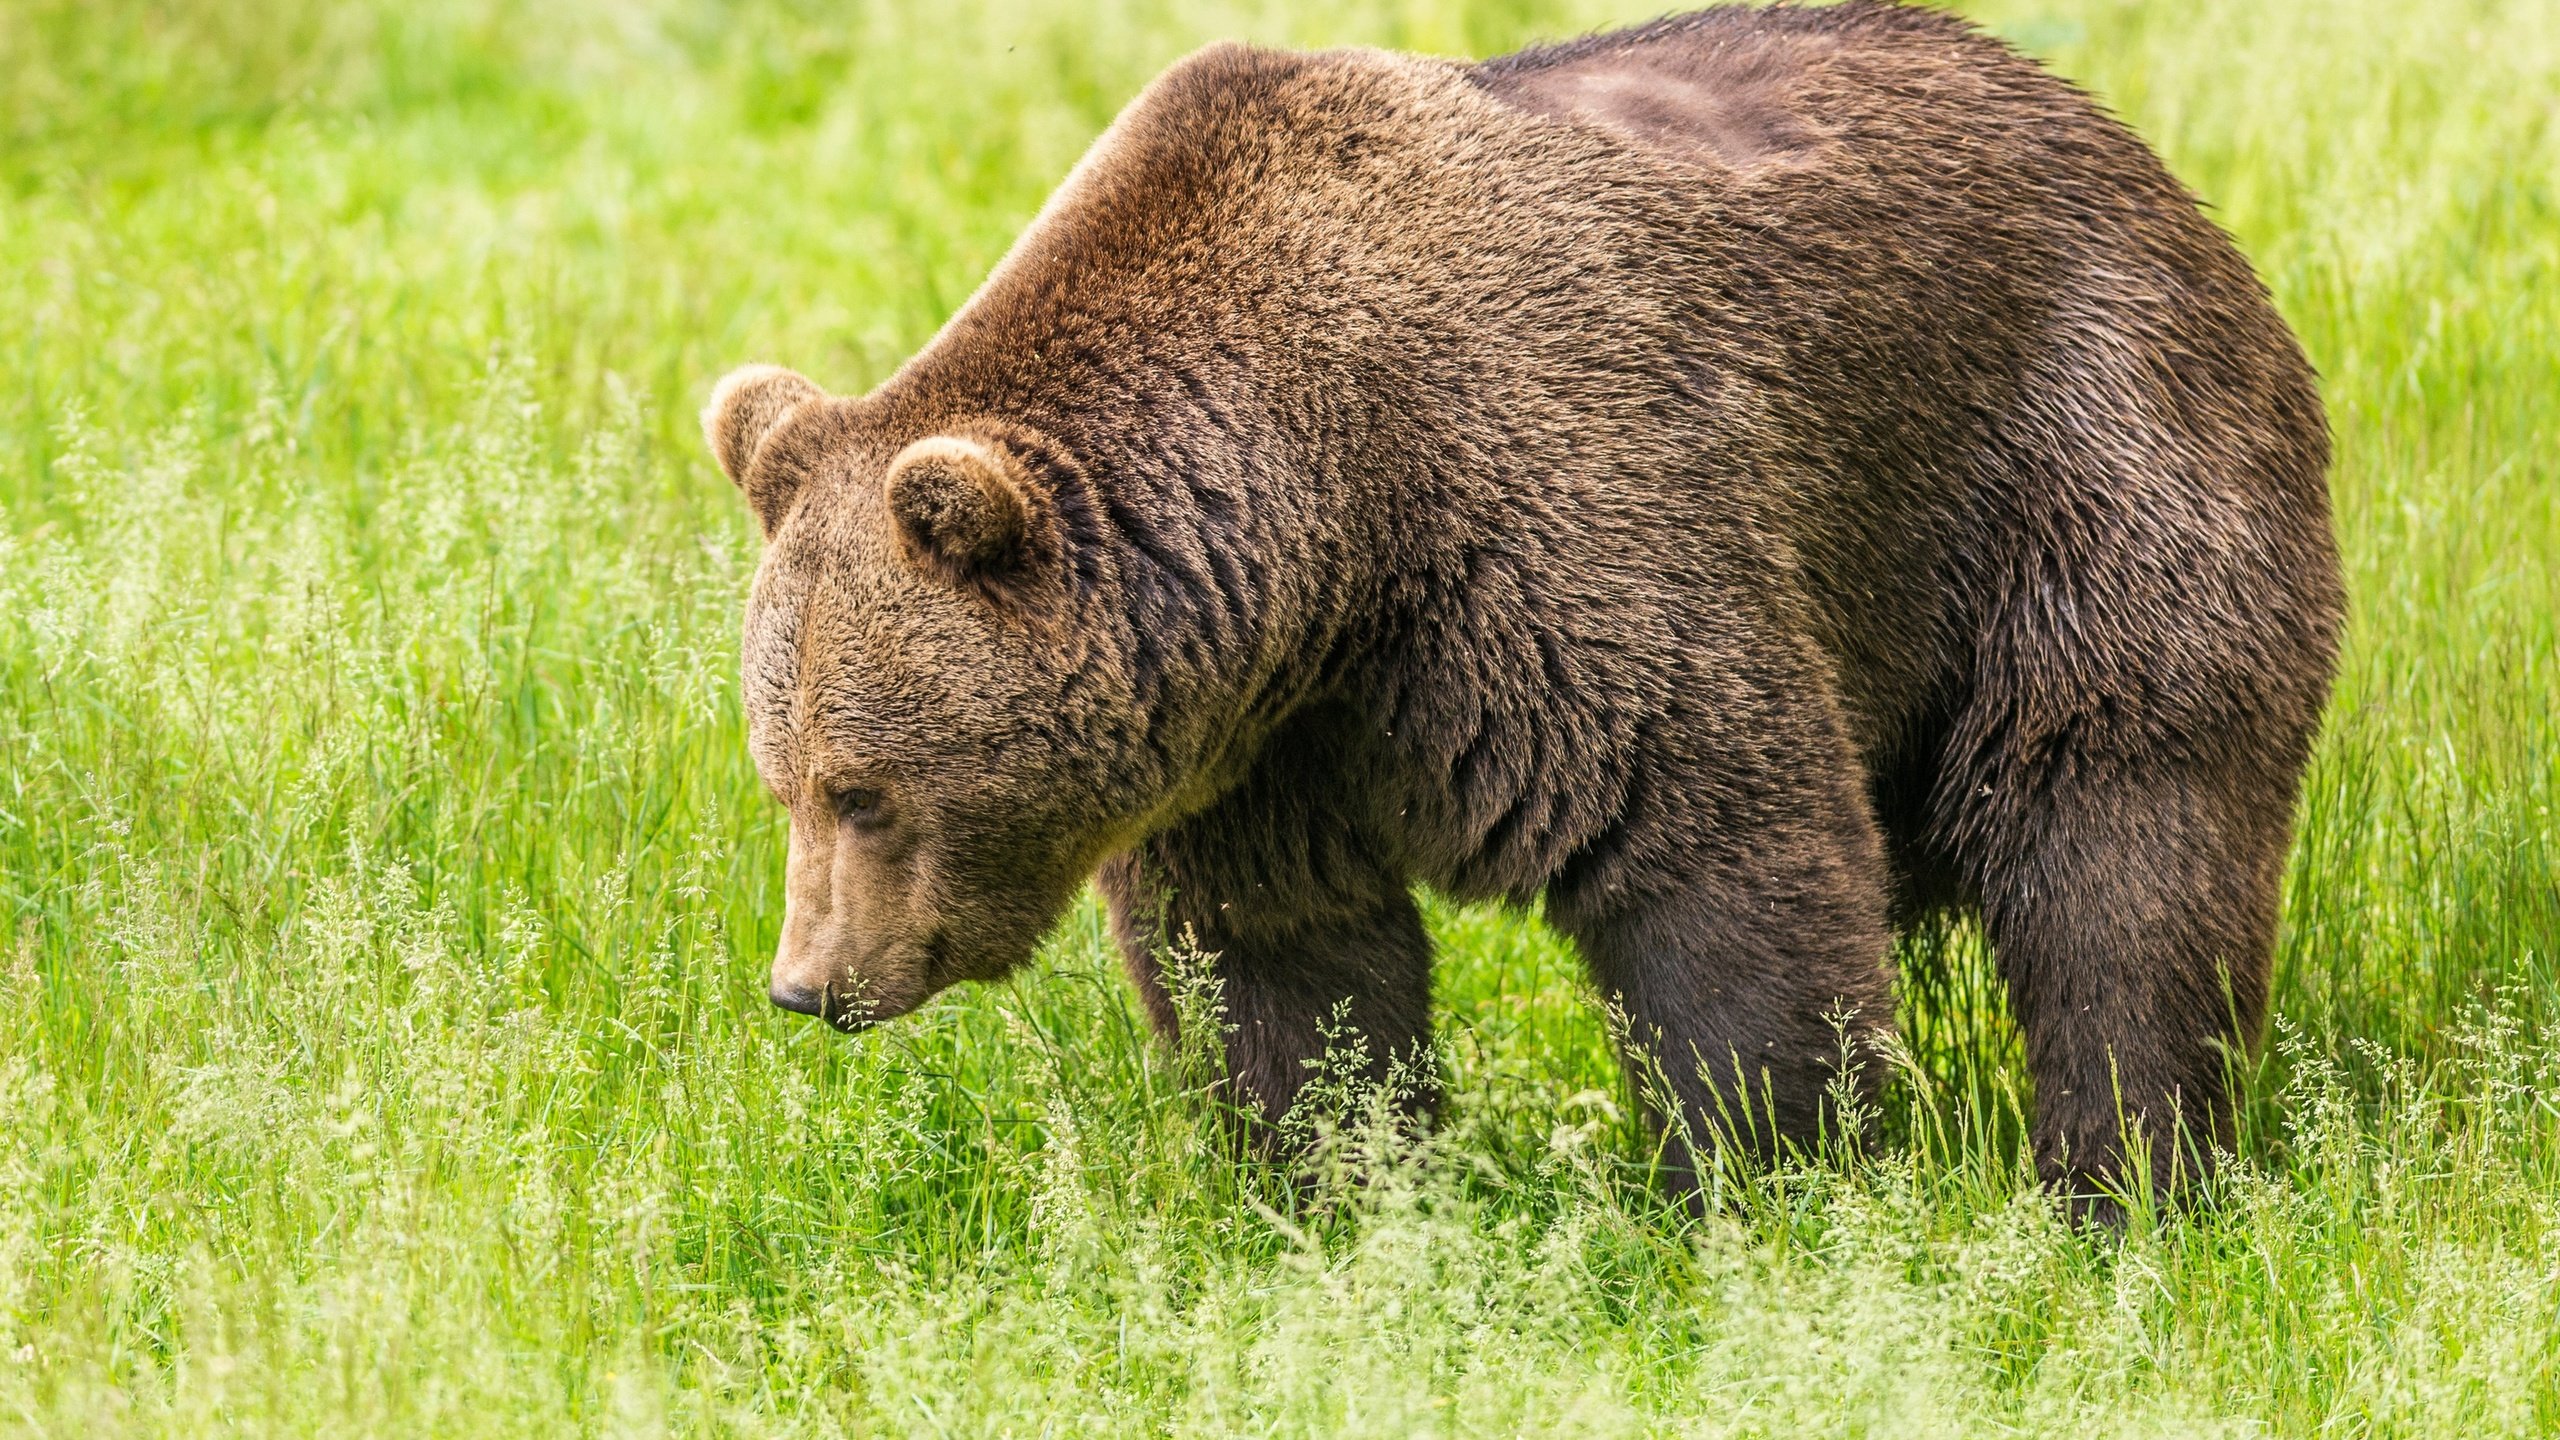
{"x": 2132, "y": 909}
{"x": 1746, "y": 986}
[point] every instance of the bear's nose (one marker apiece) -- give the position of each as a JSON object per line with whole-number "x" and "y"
{"x": 802, "y": 1000}
{"x": 798, "y": 999}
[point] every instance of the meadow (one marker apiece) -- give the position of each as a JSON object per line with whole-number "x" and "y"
{"x": 386, "y": 896}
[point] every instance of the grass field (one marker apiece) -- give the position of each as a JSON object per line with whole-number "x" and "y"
{"x": 387, "y": 895}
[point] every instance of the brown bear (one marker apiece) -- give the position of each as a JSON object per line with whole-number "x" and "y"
{"x": 1752, "y": 481}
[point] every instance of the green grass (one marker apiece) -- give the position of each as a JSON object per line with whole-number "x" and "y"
{"x": 387, "y": 894}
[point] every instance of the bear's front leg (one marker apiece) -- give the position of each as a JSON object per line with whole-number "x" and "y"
{"x": 1313, "y": 948}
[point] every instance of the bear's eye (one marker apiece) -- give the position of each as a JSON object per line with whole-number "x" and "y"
{"x": 858, "y": 804}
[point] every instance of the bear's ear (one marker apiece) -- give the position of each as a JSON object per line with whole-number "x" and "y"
{"x": 964, "y": 509}
{"x": 747, "y": 405}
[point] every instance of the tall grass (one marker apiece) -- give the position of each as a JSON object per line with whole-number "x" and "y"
{"x": 387, "y": 895}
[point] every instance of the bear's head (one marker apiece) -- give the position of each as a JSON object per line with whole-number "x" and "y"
{"x": 919, "y": 695}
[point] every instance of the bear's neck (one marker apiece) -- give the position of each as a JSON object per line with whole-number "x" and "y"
{"x": 1251, "y": 553}
{"x": 1249, "y": 524}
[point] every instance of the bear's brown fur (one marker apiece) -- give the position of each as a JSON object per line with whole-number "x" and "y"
{"x": 1751, "y": 480}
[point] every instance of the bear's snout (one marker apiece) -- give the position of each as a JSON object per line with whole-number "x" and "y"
{"x": 820, "y": 1002}
{"x": 797, "y": 1000}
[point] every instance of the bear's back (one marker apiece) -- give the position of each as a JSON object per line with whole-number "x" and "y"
{"x": 1724, "y": 88}
{"x": 1740, "y": 88}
